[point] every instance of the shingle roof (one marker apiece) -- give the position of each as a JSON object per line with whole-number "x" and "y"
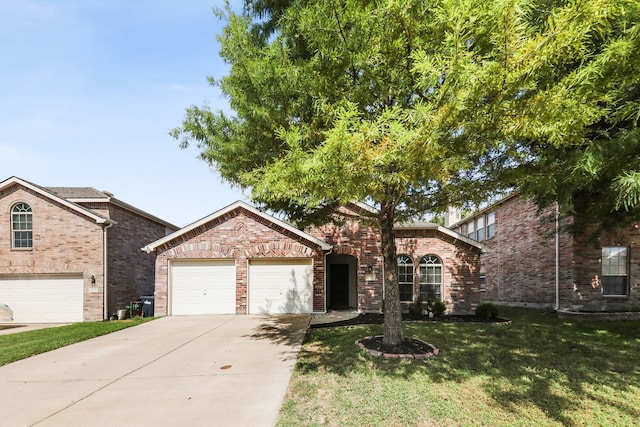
{"x": 50, "y": 194}
{"x": 77, "y": 193}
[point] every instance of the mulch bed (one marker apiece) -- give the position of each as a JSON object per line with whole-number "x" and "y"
{"x": 409, "y": 349}
{"x": 378, "y": 319}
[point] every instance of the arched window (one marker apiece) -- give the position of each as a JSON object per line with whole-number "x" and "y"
{"x": 21, "y": 226}
{"x": 430, "y": 278}
{"x": 405, "y": 277}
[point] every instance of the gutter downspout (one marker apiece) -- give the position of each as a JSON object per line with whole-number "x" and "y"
{"x": 326, "y": 277}
{"x": 557, "y": 307}
{"x": 384, "y": 287}
{"x": 105, "y": 308}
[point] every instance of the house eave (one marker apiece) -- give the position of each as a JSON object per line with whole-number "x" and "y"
{"x": 45, "y": 193}
{"x": 431, "y": 226}
{"x": 239, "y": 204}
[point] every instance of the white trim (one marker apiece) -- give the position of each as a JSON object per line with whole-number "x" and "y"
{"x": 239, "y": 204}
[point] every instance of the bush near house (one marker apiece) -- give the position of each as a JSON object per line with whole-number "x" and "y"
{"x": 487, "y": 311}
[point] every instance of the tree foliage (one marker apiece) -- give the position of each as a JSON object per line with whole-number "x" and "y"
{"x": 414, "y": 105}
{"x": 574, "y": 135}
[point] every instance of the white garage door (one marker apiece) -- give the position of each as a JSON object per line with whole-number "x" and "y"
{"x": 43, "y": 299}
{"x": 280, "y": 286}
{"x": 203, "y": 287}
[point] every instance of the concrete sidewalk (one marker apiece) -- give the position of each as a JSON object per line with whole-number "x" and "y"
{"x": 196, "y": 371}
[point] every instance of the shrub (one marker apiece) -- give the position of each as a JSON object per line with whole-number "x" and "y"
{"x": 415, "y": 309}
{"x": 437, "y": 308}
{"x": 486, "y": 310}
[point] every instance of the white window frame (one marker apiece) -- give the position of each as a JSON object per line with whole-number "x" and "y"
{"x": 21, "y": 226}
{"x": 431, "y": 263}
{"x": 615, "y": 269}
{"x": 491, "y": 224}
{"x": 471, "y": 229}
{"x": 480, "y": 230}
{"x": 405, "y": 271}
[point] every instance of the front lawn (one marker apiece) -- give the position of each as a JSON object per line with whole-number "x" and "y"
{"x": 21, "y": 345}
{"x": 538, "y": 370}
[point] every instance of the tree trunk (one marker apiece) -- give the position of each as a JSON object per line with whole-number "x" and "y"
{"x": 393, "y": 334}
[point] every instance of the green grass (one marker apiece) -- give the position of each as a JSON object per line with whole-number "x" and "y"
{"x": 538, "y": 370}
{"x": 21, "y": 345}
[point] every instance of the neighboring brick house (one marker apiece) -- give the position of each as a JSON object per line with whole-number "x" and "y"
{"x": 592, "y": 271}
{"x": 241, "y": 260}
{"x": 59, "y": 245}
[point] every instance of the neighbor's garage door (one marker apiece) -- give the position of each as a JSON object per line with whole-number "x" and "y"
{"x": 280, "y": 286}
{"x": 43, "y": 299}
{"x": 203, "y": 287}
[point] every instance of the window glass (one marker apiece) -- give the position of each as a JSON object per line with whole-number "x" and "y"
{"x": 491, "y": 224}
{"x": 21, "y": 226}
{"x": 471, "y": 232}
{"x": 430, "y": 278}
{"x": 614, "y": 270}
{"x": 480, "y": 231}
{"x": 405, "y": 278}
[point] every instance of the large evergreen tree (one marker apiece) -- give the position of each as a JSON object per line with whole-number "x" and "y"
{"x": 408, "y": 105}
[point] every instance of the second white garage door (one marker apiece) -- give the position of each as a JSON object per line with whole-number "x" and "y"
{"x": 203, "y": 287}
{"x": 280, "y": 286}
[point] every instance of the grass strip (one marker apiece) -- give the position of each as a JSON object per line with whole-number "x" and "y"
{"x": 21, "y": 345}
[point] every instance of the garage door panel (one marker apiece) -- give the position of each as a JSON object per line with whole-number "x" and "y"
{"x": 203, "y": 287}
{"x": 280, "y": 286}
{"x": 43, "y": 299}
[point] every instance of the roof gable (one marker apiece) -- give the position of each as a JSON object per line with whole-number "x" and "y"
{"x": 76, "y": 197}
{"x": 443, "y": 230}
{"x": 359, "y": 208}
{"x": 99, "y": 219}
{"x": 240, "y": 206}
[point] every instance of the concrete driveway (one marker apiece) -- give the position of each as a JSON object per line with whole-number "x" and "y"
{"x": 174, "y": 371}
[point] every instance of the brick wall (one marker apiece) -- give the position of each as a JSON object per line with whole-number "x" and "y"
{"x": 520, "y": 266}
{"x": 356, "y": 238}
{"x": 240, "y": 235}
{"x": 130, "y": 273}
{"x": 460, "y": 261}
{"x": 361, "y": 241}
{"x": 587, "y": 290}
{"x": 64, "y": 242}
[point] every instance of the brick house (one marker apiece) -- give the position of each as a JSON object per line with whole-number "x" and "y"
{"x": 592, "y": 270}
{"x": 241, "y": 260}
{"x": 60, "y": 245}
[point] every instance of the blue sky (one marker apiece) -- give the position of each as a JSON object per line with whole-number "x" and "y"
{"x": 89, "y": 90}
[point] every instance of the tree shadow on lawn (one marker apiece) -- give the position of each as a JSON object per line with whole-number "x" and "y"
{"x": 536, "y": 360}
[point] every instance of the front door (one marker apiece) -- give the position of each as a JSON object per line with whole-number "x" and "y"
{"x": 339, "y": 286}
